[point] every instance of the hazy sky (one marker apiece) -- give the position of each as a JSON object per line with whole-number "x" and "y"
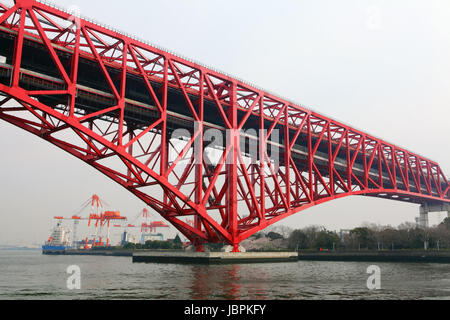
{"x": 380, "y": 66}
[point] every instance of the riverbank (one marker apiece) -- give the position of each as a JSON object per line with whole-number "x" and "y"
{"x": 82, "y": 252}
{"x": 180, "y": 256}
{"x": 423, "y": 256}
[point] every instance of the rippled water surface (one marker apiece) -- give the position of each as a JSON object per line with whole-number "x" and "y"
{"x": 30, "y": 275}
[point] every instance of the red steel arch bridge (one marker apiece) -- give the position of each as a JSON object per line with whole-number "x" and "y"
{"x": 152, "y": 121}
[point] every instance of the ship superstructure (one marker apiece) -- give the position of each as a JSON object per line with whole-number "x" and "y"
{"x": 58, "y": 241}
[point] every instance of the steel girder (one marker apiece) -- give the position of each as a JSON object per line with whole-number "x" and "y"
{"x": 129, "y": 141}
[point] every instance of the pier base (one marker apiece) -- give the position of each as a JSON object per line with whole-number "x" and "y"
{"x": 214, "y": 257}
{"x": 425, "y": 209}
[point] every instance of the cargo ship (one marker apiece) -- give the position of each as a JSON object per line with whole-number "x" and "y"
{"x": 58, "y": 242}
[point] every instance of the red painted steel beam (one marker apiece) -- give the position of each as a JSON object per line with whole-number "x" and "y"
{"x": 320, "y": 159}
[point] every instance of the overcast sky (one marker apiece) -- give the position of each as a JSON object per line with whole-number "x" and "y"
{"x": 380, "y": 66}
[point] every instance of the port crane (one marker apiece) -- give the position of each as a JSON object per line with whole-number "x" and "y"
{"x": 144, "y": 215}
{"x": 97, "y": 217}
{"x": 153, "y": 226}
{"x": 146, "y": 226}
{"x": 106, "y": 218}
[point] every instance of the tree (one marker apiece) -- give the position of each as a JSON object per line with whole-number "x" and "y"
{"x": 158, "y": 244}
{"x": 407, "y": 226}
{"x": 129, "y": 246}
{"x": 416, "y": 238}
{"x": 326, "y": 240}
{"x": 177, "y": 244}
{"x": 285, "y": 231}
{"x": 274, "y": 236}
{"x": 446, "y": 223}
{"x": 298, "y": 239}
{"x": 364, "y": 236}
{"x": 258, "y": 235}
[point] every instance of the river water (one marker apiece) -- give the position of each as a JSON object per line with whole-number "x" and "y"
{"x": 31, "y": 275}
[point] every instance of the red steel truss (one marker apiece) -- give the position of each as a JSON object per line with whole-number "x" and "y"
{"x": 84, "y": 101}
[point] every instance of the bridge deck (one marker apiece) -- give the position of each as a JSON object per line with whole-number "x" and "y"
{"x": 93, "y": 95}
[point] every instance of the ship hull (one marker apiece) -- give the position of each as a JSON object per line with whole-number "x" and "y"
{"x": 53, "y": 250}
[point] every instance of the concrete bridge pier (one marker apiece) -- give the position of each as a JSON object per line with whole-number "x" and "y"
{"x": 426, "y": 208}
{"x": 423, "y": 218}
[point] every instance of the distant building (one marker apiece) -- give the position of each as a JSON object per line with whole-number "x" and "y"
{"x": 151, "y": 237}
{"x": 127, "y": 238}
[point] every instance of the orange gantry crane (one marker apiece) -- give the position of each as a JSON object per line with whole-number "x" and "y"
{"x": 152, "y": 226}
{"x": 106, "y": 219}
{"x": 146, "y": 226}
{"x": 101, "y": 219}
{"x": 97, "y": 217}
